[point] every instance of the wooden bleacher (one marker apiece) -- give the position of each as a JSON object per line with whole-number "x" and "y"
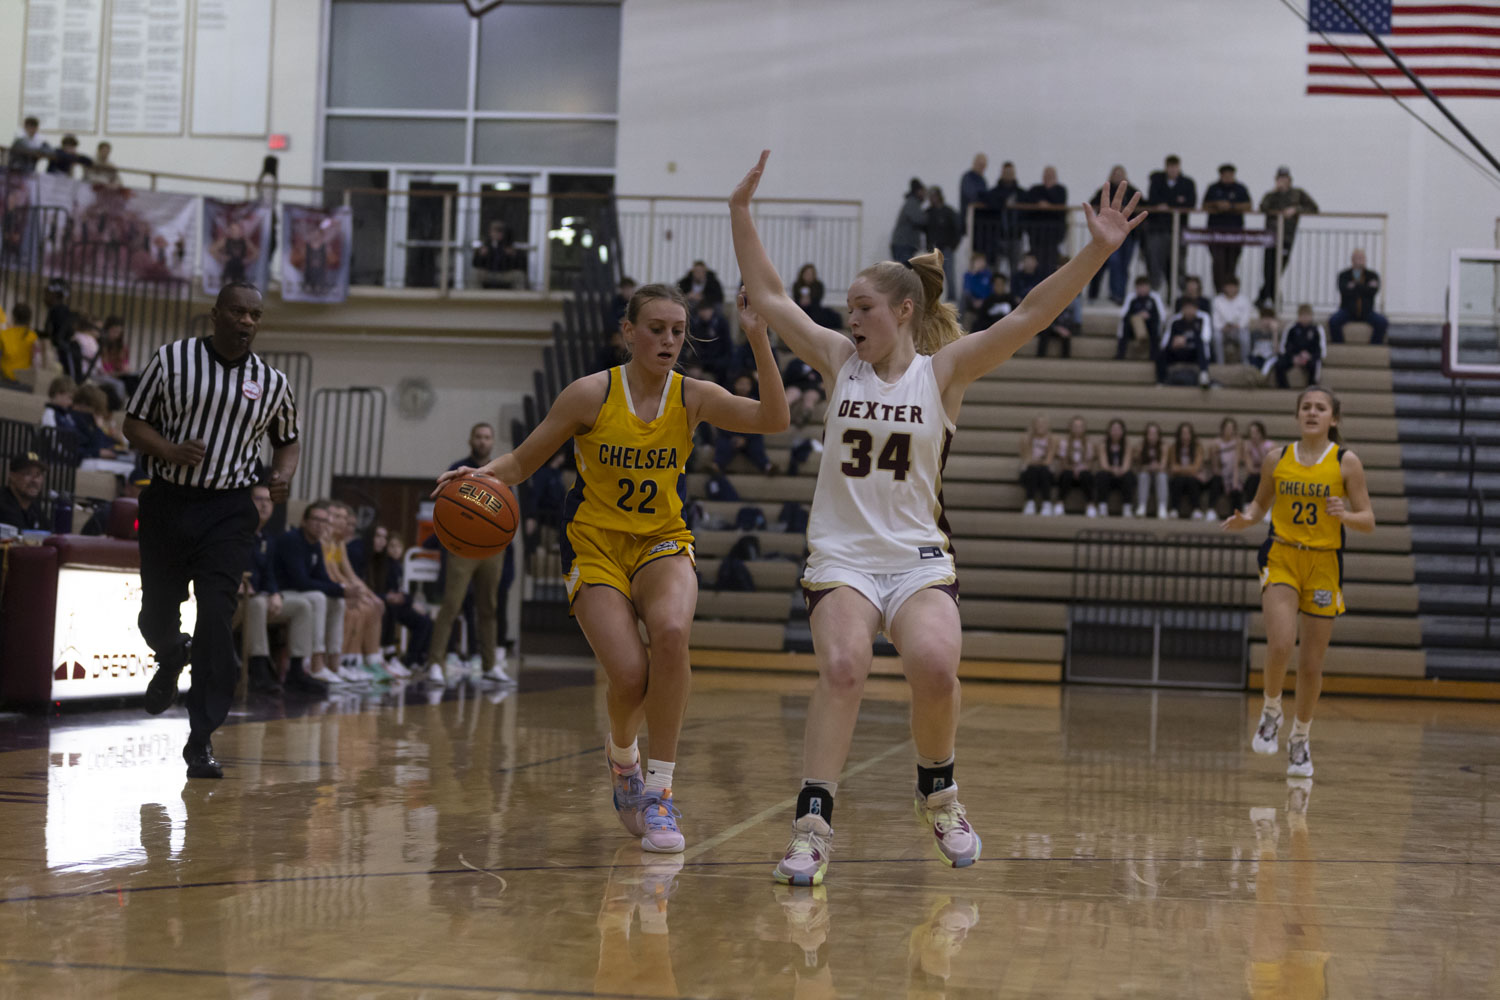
{"x": 1015, "y": 570}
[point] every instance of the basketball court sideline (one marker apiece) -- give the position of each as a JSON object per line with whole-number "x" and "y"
{"x": 467, "y": 848}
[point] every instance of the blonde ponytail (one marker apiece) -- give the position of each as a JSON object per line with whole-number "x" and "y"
{"x": 934, "y": 323}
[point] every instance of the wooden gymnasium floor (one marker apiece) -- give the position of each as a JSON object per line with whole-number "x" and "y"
{"x": 338, "y": 858}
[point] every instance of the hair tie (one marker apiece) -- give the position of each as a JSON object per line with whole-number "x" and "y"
{"x": 907, "y": 264}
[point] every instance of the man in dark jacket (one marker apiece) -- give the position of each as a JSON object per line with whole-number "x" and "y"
{"x": 1118, "y": 265}
{"x": 1005, "y": 218}
{"x": 1167, "y": 189}
{"x": 264, "y": 604}
{"x": 1286, "y": 203}
{"x": 297, "y": 562}
{"x": 19, "y": 497}
{"x": 943, "y": 233}
{"x": 1185, "y": 340}
{"x": 971, "y": 189}
{"x": 1358, "y": 286}
{"x": 1304, "y": 345}
{"x": 1226, "y": 201}
{"x": 1047, "y": 224}
{"x": 701, "y": 284}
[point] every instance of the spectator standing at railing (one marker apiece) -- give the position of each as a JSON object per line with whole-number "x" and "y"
{"x": 1226, "y": 201}
{"x": 58, "y": 328}
{"x": 22, "y": 490}
{"x": 500, "y": 262}
{"x": 906, "y": 235}
{"x": 102, "y": 171}
{"x": 1232, "y": 316}
{"x": 28, "y": 146}
{"x": 701, "y": 284}
{"x": 1118, "y": 265}
{"x": 1167, "y": 189}
{"x": 1287, "y": 203}
{"x": 1358, "y": 286}
{"x": 711, "y": 340}
{"x": 66, "y": 156}
{"x": 943, "y": 231}
{"x": 1047, "y": 224}
{"x": 1005, "y": 237}
{"x": 972, "y": 188}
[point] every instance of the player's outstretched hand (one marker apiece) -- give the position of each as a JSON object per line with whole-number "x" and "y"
{"x": 1113, "y": 222}
{"x": 750, "y": 320}
{"x": 746, "y": 188}
{"x": 449, "y": 476}
{"x": 1236, "y": 522}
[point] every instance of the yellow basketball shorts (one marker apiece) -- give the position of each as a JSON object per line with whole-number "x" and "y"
{"x": 1317, "y": 575}
{"x": 601, "y": 557}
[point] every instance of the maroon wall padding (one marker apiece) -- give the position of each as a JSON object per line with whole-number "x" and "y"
{"x": 123, "y": 513}
{"x": 90, "y": 550}
{"x": 28, "y": 608}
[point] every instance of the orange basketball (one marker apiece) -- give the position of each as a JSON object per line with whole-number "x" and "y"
{"x": 475, "y": 516}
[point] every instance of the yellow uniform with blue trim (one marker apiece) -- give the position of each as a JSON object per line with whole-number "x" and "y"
{"x": 1305, "y": 547}
{"x": 625, "y": 509}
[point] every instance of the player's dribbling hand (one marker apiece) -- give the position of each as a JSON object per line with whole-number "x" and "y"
{"x": 1335, "y": 508}
{"x": 745, "y": 190}
{"x": 1110, "y": 225}
{"x": 188, "y": 452}
{"x": 449, "y": 476}
{"x": 750, "y": 320}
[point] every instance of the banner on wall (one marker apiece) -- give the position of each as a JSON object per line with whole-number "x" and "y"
{"x": 236, "y": 242}
{"x": 119, "y": 235}
{"x": 315, "y": 263}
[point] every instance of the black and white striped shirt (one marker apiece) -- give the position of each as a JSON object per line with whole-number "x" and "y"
{"x": 190, "y": 391}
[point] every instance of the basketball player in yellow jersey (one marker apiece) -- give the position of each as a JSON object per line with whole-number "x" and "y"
{"x": 1314, "y": 489}
{"x": 622, "y": 523}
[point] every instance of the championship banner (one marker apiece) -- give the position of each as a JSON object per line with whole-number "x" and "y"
{"x": 236, "y": 241}
{"x": 119, "y": 235}
{"x": 315, "y": 264}
{"x": 1230, "y": 237}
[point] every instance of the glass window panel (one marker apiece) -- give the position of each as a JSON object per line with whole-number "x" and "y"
{"x": 396, "y": 140}
{"x": 550, "y": 57}
{"x": 545, "y": 144}
{"x": 399, "y": 55}
{"x": 367, "y": 262}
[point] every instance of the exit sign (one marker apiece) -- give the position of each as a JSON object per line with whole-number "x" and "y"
{"x": 279, "y": 142}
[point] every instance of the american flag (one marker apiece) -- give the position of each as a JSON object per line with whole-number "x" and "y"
{"x": 1454, "y": 48}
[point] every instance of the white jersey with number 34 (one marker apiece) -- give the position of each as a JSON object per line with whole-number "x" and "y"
{"x": 878, "y": 506}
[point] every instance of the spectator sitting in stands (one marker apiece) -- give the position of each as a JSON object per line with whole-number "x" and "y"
{"x": 613, "y": 353}
{"x": 112, "y": 372}
{"x": 102, "y": 170}
{"x": 1038, "y": 451}
{"x": 1075, "y": 459}
{"x": 1142, "y": 317}
{"x": 92, "y": 418}
{"x": 944, "y": 230}
{"x": 808, "y": 293}
{"x": 911, "y": 220}
{"x": 712, "y": 342}
{"x": 1150, "y": 461}
{"x": 804, "y": 389}
{"x": 500, "y": 262}
{"x": 1257, "y": 447}
{"x": 1185, "y": 340}
{"x": 543, "y": 495}
{"x": 264, "y": 604}
{"x": 1112, "y": 460}
{"x": 1304, "y": 345}
{"x": 1184, "y": 471}
{"x": 22, "y": 490}
{"x": 976, "y": 288}
{"x": 701, "y": 284}
{"x": 1231, "y": 319}
{"x": 621, "y": 302}
{"x": 1265, "y": 334}
{"x": 364, "y": 610}
{"x": 1358, "y": 286}
{"x": 59, "y": 411}
{"x": 86, "y": 343}
{"x": 1192, "y": 291}
{"x": 998, "y": 304}
{"x": 399, "y": 611}
{"x": 1069, "y": 324}
{"x": 20, "y": 347}
{"x": 1027, "y": 276}
{"x": 63, "y": 159}
{"x": 727, "y": 445}
{"x": 1225, "y": 461}
{"x": 57, "y": 328}
{"x": 297, "y": 558}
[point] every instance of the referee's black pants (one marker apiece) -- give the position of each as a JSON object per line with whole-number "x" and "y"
{"x": 205, "y": 537}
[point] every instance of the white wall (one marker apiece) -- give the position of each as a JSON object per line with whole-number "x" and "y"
{"x": 855, "y": 97}
{"x": 296, "y": 50}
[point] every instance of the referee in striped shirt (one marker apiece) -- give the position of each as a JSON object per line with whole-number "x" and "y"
{"x": 199, "y": 414}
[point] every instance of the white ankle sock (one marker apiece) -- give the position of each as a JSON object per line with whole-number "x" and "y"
{"x": 1300, "y": 728}
{"x": 659, "y": 774}
{"x": 1273, "y": 705}
{"x": 624, "y": 756}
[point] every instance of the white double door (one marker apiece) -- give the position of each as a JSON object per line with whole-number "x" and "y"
{"x": 437, "y": 220}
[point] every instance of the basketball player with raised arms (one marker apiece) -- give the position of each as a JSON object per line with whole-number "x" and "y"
{"x": 879, "y": 554}
{"x": 1314, "y": 489}
{"x": 632, "y": 429}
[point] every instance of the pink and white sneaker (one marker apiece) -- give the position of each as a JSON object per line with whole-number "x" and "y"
{"x": 659, "y": 818}
{"x": 806, "y": 858}
{"x": 957, "y": 843}
{"x": 628, "y": 785}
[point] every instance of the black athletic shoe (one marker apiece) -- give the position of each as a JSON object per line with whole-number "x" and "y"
{"x": 201, "y": 762}
{"x": 162, "y": 690}
{"x": 298, "y": 680}
{"x": 263, "y": 678}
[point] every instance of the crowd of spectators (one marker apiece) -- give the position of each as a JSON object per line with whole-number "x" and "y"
{"x": 29, "y": 150}
{"x": 1185, "y": 476}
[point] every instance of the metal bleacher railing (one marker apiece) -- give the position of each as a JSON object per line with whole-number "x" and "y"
{"x": 1167, "y": 611}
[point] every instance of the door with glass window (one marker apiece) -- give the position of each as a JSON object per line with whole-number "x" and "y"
{"x": 428, "y": 217}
